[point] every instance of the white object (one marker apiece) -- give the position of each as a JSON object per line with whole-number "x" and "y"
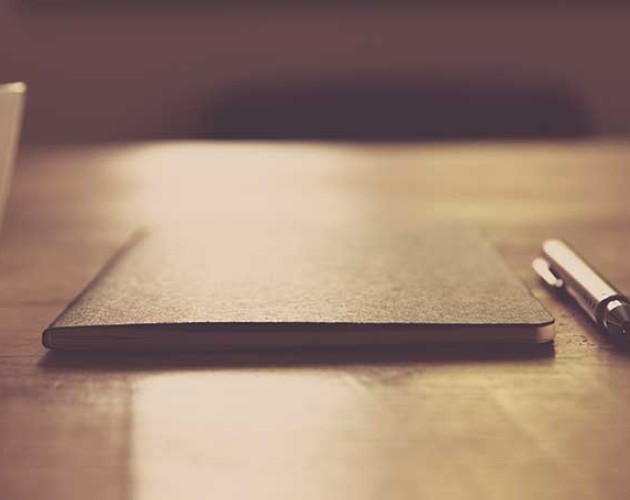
{"x": 12, "y": 97}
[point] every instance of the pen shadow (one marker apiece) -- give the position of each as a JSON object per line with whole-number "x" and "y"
{"x": 311, "y": 357}
{"x": 617, "y": 346}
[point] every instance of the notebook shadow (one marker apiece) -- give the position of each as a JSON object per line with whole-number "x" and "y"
{"x": 296, "y": 358}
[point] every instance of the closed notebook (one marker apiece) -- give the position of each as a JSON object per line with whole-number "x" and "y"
{"x": 226, "y": 286}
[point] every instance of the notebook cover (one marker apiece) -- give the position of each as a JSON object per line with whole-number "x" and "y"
{"x": 291, "y": 282}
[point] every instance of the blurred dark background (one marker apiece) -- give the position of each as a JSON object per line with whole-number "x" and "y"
{"x": 105, "y": 72}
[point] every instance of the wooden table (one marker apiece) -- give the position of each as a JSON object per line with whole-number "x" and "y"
{"x": 421, "y": 423}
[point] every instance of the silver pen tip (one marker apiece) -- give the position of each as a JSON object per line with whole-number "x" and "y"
{"x": 618, "y": 319}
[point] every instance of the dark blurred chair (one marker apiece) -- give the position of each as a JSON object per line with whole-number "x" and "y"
{"x": 400, "y": 107}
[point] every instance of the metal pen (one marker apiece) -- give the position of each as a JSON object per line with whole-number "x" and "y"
{"x": 561, "y": 268}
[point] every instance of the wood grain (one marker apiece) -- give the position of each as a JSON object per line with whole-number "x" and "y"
{"x": 436, "y": 423}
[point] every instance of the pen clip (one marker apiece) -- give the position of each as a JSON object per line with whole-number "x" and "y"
{"x": 543, "y": 269}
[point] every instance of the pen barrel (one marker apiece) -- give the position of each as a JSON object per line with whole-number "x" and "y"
{"x": 582, "y": 282}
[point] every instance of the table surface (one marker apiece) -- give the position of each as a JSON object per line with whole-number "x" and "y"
{"x": 390, "y": 423}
